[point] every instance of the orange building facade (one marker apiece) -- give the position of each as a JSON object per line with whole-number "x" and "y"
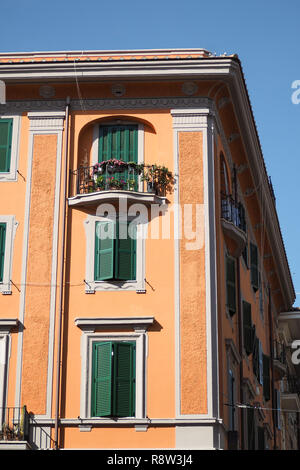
{"x": 146, "y": 294}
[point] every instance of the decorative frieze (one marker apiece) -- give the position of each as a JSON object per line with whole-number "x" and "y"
{"x": 47, "y": 121}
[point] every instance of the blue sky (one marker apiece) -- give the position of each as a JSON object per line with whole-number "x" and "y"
{"x": 265, "y": 35}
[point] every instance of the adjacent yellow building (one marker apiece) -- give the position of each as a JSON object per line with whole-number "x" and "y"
{"x": 145, "y": 286}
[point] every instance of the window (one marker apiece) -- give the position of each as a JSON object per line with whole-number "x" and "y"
{"x": 258, "y": 360}
{"x": 230, "y": 285}
{"x": 9, "y": 142}
{"x": 8, "y": 226}
{"x": 277, "y": 409}
{"x": 113, "y": 382}
{"x": 113, "y": 367}
{"x": 231, "y": 400}
{"x": 254, "y": 266}
{"x": 245, "y": 255}
{"x": 118, "y": 141}
{"x": 2, "y": 248}
{"x": 248, "y": 329}
{"x": 6, "y": 126}
{"x": 115, "y": 250}
{"x": 266, "y": 378}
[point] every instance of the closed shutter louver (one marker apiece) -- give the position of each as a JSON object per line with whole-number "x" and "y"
{"x": 266, "y": 378}
{"x": 102, "y": 379}
{"x": 230, "y": 285}
{"x": 254, "y": 266}
{"x": 256, "y": 358}
{"x": 124, "y": 379}
{"x": 2, "y": 248}
{"x": 120, "y": 143}
{"x": 5, "y": 144}
{"x": 249, "y": 329}
{"x": 104, "y": 250}
{"x": 125, "y": 257}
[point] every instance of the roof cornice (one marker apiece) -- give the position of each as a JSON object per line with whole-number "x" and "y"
{"x": 119, "y": 68}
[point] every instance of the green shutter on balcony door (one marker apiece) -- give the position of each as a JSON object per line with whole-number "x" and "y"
{"x": 104, "y": 250}
{"x": 121, "y": 143}
{"x": 118, "y": 142}
{"x": 102, "y": 379}
{"x": 125, "y": 251}
{"x": 124, "y": 379}
{"x": 5, "y": 144}
{"x": 254, "y": 266}
{"x": 2, "y": 248}
{"x": 230, "y": 285}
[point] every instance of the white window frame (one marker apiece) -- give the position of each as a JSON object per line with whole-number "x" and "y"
{"x": 6, "y": 325}
{"x": 14, "y": 156}
{"x": 90, "y": 336}
{"x": 11, "y": 226}
{"x": 90, "y": 284}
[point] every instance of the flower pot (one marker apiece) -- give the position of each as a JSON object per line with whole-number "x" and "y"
{"x": 111, "y": 168}
{"x": 150, "y": 187}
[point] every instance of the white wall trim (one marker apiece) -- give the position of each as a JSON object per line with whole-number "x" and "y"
{"x": 15, "y": 141}
{"x": 41, "y": 122}
{"x": 189, "y": 120}
{"x": 11, "y": 228}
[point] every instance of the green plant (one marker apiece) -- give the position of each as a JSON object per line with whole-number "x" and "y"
{"x": 100, "y": 182}
{"x": 131, "y": 184}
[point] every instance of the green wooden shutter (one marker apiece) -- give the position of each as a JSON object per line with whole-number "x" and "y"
{"x": 104, "y": 250}
{"x": 230, "y": 285}
{"x": 5, "y": 144}
{"x": 102, "y": 379}
{"x": 121, "y": 143}
{"x": 124, "y": 379}
{"x": 245, "y": 255}
{"x": 125, "y": 253}
{"x": 248, "y": 328}
{"x": 255, "y": 359}
{"x": 2, "y": 249}
{"x": 254, "y": 266}
{"x": 266, "y": 377}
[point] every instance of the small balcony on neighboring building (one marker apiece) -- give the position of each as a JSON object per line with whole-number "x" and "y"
{"x": 113, "y": 180}
{"x": 14, "y": 430}
{"x": 279, "y": 359}
{"x": 290, "y": 393}
{"x": 233, "y": 224}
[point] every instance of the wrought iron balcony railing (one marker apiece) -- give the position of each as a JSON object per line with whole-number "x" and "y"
{"x": 291, "y": 384}
{"x": 14, "y": 424}
{"x": 116, "y": 174}
{"x": 233, "y": 212}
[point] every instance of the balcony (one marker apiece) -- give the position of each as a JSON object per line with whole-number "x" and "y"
{"x": 290, "y": 393}
{"x": 233, "y": 224}
{"x": 113, "y": 180}
{"x": 14, "y": 430}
